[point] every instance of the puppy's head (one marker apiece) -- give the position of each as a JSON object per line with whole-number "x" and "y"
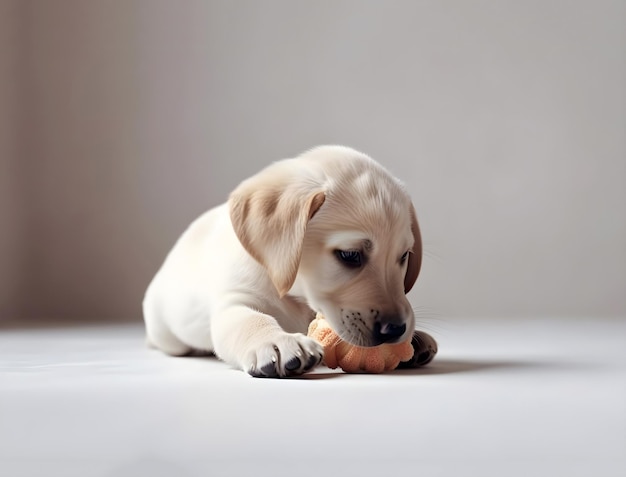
{"x": 336, "y": 229}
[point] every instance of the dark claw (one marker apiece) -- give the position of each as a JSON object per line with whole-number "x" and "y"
{"x": 293, "y": 364}
{"x": 312, "y": 361}
{"x": 269, "y": 370}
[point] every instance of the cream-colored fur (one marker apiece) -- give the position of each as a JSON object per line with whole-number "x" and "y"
{"x": 246, "y": 278}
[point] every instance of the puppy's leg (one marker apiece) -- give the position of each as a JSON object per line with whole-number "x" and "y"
{"x": 255, "y": 342}
{"x": 424, "y": 350}
{"x": 164, "y": 340}
{"x": 159, "y": 335}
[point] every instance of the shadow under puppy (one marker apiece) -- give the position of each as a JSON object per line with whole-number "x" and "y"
{"x": 328, "y": 232}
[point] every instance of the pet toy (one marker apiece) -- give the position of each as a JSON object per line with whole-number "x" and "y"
{"x": 354, "y": 359}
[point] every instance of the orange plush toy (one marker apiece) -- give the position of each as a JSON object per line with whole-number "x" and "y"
{"x": 354, "y": 359}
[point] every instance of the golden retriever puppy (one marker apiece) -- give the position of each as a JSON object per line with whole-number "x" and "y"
{"x": 330, "y": 231}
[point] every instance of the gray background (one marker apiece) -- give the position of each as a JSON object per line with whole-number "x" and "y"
{"x": 121, "y": 121}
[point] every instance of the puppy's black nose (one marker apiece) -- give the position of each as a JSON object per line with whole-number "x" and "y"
{"x": 386, "y": 332}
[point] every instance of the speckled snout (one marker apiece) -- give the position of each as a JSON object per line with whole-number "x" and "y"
{"x": 371, "y": 327}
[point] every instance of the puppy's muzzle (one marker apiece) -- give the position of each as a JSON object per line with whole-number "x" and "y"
{"x": 361, "y": 328}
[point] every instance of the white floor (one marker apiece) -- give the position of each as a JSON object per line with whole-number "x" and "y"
{"x": 504, "y": 398}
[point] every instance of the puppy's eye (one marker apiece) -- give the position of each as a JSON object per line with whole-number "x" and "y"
{"x": 405, "y": 255}
{"x": 350, "y": 258}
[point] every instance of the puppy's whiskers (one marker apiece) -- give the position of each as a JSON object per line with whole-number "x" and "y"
{"x": 354, "y": 332}
{"x": 429, "y": 319}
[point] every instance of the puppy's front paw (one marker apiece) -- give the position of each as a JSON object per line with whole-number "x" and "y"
{"x": 285, "y": 355}
{"x": 425, "y": 349}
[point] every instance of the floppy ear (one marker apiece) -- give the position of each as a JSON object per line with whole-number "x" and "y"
{"x": 270, "y": 213}
{"x": 415, "y": 257}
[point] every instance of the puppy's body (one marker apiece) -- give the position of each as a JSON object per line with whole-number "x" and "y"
{"x": 207, "y": 272}
{"x": 246, "y": 278}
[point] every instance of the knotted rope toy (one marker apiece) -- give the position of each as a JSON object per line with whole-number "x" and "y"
{"x": 355, "y": 359}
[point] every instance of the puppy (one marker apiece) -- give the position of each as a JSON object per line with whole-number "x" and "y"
{"x": 330, "y": 231}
